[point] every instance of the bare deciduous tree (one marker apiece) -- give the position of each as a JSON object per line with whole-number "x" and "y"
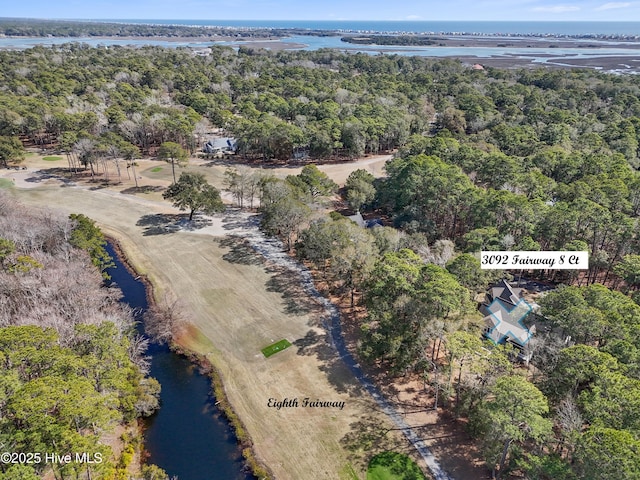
{"x": 67, "y": 290}
{"x": 163, "y": 320}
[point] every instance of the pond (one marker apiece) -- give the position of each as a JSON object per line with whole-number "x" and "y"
{"x": 188, "y": 437}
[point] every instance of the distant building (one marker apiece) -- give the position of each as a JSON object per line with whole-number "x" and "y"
{"x": 358, "y": 219}
{"x": 220, "y": 145}
{"x": 202, "y": 52}
{"x": 505, "y": 313}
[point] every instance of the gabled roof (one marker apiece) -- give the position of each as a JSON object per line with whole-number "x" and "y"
{"x": 505, "y": 312}
{"x": 358, "y": 218}
{"x": 506, "y": 292}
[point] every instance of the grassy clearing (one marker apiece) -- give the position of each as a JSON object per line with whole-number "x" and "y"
{"x": 5, "y": 183}
{"x": 239, "y": 305}
{"x": 156, "y": 170}
{"x": 393, "y": 466}
{"x": 275, "y": 348}
{"x": 51, "y": 158}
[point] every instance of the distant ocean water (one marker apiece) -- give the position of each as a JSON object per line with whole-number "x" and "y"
{"x": 612, "y": 54}
{"x": 493, "y": 28}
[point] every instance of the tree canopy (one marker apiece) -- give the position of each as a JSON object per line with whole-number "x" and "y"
{"x": 192, "y": 192}
{"x": 519, "y": 159}
{"x": 11, "y": 150}
{"x": 72, "y": 370}
{"x": 86, "y": 236}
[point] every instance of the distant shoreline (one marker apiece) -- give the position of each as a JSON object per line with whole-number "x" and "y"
{"x": 619, "y": 31}
{"x": 598, "y": 51}
{"x": 551, "y": 58}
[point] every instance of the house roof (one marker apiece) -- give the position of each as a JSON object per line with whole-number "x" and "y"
{"x": 373, "y": 223}
{"x": 358, "y": 219}
{"x": 506, "y": 321}
{"x": 505, "y": 315}
{"x": 506, "y": 292}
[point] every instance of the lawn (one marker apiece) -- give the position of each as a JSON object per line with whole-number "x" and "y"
{"x": 275, "y": 348}
{"x": 52, "y": 158}
{"x": 393, "y": 466}
{"x": 5, "y": 183}
{"x": 156, "y": 169}
{"x": 242, "y": 304}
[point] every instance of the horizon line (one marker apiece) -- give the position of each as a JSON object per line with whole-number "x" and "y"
{"x": 315, "y": 20}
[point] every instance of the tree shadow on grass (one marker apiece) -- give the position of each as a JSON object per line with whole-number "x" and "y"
{"x": 339, "y": 376}
{"x": 367, "y": 436}
{"x": 233, "y": 220}
{"x": 309, "y": 343}
{"x": 55, "y": 172}
{"x": 142, "y": 189}
{"x": 240, "y": 252}
{"x": 287, "y": 283}
{"x": 255, "y": 163}
{"x": 163, "y": 223}
{"x": 297, "y": 302}
{"x": 46, "y": 174}
{"x": 159, "y": 223}
{"x": 198, "y": 222}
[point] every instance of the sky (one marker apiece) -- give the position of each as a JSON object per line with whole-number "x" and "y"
{"x": 489, "y": 10}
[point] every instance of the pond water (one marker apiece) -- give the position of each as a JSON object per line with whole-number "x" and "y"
{"x": 188, "y": 437}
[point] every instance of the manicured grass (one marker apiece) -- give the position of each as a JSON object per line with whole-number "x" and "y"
{"x": 275, "y": 347}
{"x": 5, "y": 183}
{"x": 156, "y": 169}
{"x": 51, "y": 158}
{"x": 393, "y": 466}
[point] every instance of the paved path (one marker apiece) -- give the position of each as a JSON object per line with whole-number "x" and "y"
{"x": 273, "y": 251}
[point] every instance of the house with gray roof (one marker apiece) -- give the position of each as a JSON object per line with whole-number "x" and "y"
{"x": 505, "y": 317}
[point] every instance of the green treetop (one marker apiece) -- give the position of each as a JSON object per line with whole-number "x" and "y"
{"x": 192, "y": 192}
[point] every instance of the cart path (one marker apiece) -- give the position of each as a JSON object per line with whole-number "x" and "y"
{"x": 273, "y": 251}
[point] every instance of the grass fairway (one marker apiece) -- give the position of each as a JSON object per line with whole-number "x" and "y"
{"x": 156, "y": 169}
{"x": 275, "y": 348}
{"x": 52, "y": 158}
{"x": 236, "y": 304}
{"x": 393, "y": 466}
{"x": 5, "y": 183}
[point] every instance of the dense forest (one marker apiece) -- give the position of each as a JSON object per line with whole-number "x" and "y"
{"x": 483, "y": 159}
{"x": 404, "y": 40}
{"x": 73, "y": 369}
{"x": 26, "y": 27}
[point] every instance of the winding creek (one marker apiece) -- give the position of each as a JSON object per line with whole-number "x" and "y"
{"x": 188, "y": 437}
